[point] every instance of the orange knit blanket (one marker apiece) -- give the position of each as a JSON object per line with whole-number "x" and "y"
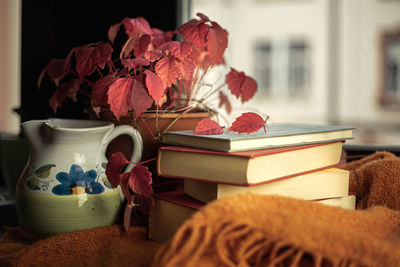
{"x": 247, "y": 230}
{"x": 103, "y": 246}
{"x": 255, "y": 230}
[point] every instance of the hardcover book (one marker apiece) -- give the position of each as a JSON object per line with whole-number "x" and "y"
{"x": 276, "y": 135}
{"x": 246, "y": 167}
{"x": 346, "y": 202}
{"x": 170, "y": 211}
{"x": 173, "y": 208}
{"x": 328, "y": 183}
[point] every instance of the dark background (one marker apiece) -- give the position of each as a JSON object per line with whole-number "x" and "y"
{"x": 50, "y": 28}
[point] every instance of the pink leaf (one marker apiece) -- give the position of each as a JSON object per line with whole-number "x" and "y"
{"x": 241, "y": 86}
{"x": 141, "y": 45}
{"x": 203, "y": 17}
{"x": 234, "y": 80}
{"x": 217, "y": 42}
{"x": 128, "y": 46}
{"x": 119, "y": 95}
{"x": 188, "y": 57}
{"x": 208, "y": 126}
{"x": 133, "y": 63}
{"x": 140, "y": 180}
{"x": 153, "y": 55}
{"x": 249, "y": 88}
{"x": 155, "y": 85}
{"x": 140, "y": 99}
{"x": 113, "y": 31}
{"x": 194, "y": 32}
{"x": 114, "y": 168}
{"x": 66, "y": 89}
{"x": 168, "y": 68}
{"x": 98, "y": 95}
{"x": 135, "y": 26}
{"x": 160, "y": 37}
{"x": 90, "y": 56}
{"x": 248, "y": 123}
{"x": 224, "y": 101}
{"x": 57, "y": 69}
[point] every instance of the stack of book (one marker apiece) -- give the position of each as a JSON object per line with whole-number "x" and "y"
{"x": 293, "y": 160}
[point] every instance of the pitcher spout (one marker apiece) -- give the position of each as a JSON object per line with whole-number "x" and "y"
{"x": 33, "y": 132}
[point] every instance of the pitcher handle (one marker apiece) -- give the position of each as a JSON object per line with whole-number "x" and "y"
{"x": 137, "y": 148}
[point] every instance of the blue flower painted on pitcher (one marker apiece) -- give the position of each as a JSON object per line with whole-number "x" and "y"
{"x": 77, "y": 181}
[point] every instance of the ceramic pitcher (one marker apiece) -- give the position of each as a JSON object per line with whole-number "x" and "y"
{"x": 63, "y": 187}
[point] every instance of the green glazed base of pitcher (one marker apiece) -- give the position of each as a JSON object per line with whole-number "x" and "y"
{"x": 52, "y": 214}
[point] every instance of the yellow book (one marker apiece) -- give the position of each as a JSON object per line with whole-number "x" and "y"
{"x": 346, "y": 202}
{"x": 246, "y": 167}
{"x": 328, "y": 183}
{"x": 173, "y": 208}
{"x": 170, "y": 211}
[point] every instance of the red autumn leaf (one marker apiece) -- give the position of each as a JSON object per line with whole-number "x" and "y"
{"x": 242, "y": 86}
{"x": 208, "y": 126}
{"x": 140, "y": 99}
{"x": 135, "y": 26}
{"x": 248, "y": 123}
{"x": 217, "y": 42}
{"x": 170, "y": 48}
{"x": 178, "y": 49}
{"x": 90, "y": 56}
{"x": 153, "y": 55}
{"x": 66, "y": 89}
{"x": 98, "y": 95}
{"x": 203, "y": 17}
{"x": 188, "y": 58}
{"x": 128, "y": 46}
{"x": 119, "y": 95}
{"x": 57, "y": 69}
{"x": 169, "y": 70}
{"x": 160, "y": 37}
{"x": 133, "y": 63}
{"x": 194, "y": 32}
{"x": 140, "y": 180}
{"x": 224, "y": 101}
{"x": 141, "y": 44}
{"x": 113, "y": 31}
{"x": 114, "y": 167}
{"x": 155, "y": 85}
{"x": 184, "y": 55}
{"x": 249, "y": 88}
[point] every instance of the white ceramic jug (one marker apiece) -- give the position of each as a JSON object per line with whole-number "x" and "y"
{"x": 63, "y": 187}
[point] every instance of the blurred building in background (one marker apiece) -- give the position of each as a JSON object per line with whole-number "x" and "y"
{"x": 324, "y": 61}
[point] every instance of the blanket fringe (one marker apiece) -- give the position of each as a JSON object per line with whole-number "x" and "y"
{"x": 237, "y": 244}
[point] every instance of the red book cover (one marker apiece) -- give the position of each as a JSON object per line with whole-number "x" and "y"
{"x": 246, "y": 154}
{"x": 179, "y": 197}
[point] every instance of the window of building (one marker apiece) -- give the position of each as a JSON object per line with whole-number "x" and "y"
{"x": 299, "y": 68}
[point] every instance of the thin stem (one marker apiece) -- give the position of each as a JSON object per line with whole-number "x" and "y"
{"x": 177, "y": 118}
{"x": 112, "y": 65}
{"x": 210, "y": 93}
{"x": 147, "y": 127}
{"x": 99, "y": 72}
{"x": 143, "y": 162}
